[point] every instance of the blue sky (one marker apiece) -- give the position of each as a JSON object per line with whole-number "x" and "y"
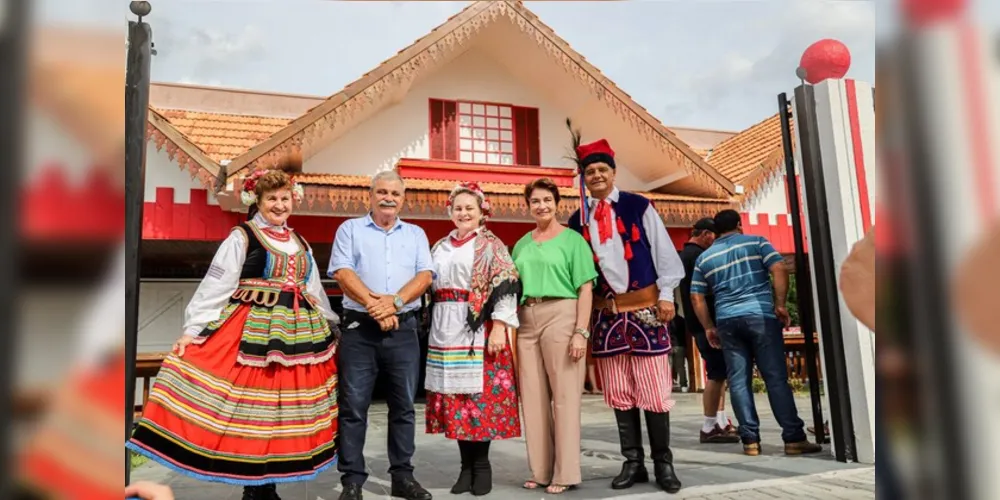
{"x": 712, "y": 64}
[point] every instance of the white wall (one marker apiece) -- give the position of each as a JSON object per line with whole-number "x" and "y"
{"x": 771, "y": 200}
{"x": 161, "y": 171}
{"x": 161, "y": 313}
{"x": 401, "y": 130}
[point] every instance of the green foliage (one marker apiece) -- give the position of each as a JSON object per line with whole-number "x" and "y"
{"x": 758, "y": 386}
{"x": 137, "y": 460}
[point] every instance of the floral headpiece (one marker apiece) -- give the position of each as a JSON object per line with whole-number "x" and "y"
{"x": 465, "y": 187}
{"x": 249, "y": 197}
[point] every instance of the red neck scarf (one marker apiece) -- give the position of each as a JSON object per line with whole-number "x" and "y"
{"x": 459, "y": 242}
{"x": 603, "y": 217}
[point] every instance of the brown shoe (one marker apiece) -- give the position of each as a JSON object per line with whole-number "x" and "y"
{"x": 751, "y": 449}
{"x": 732, "y": 430}
{"x": 802, "y": 448}
{"x": 718, "y": 436}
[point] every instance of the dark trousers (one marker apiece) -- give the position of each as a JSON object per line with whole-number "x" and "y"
{"x": 364, "y": 351}
{"x": 750, "y": 339}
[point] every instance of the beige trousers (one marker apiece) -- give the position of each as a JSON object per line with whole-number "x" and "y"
{"x": 551, "y": 389}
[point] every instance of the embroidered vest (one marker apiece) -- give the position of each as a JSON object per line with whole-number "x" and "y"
{"x": 625, "y": 333}
{"x": 629, "y": 210}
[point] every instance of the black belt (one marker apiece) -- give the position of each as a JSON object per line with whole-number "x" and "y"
{"x": 350, "y": 315}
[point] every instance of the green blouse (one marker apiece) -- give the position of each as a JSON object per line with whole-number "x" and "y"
{"x": 555, "y": 268}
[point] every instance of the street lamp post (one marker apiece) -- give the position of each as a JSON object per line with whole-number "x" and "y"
{"x": 136, "y": 106}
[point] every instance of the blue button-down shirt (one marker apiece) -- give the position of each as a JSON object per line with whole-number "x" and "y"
{"x": 385, "y": 260}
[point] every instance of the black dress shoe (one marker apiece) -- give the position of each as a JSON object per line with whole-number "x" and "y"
{"x": 410, "y": 489}
{"x": 351, "y": 492}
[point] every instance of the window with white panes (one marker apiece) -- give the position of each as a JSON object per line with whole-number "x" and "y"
{"x": 485, "y": 133}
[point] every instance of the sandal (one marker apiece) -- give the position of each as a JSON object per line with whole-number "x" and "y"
{"x": 533, "y": 485}
{"x": 558, "y": 489}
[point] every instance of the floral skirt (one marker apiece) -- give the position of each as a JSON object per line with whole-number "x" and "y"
{"x": 490, "y": 415}
{"x": 214, "y": 419}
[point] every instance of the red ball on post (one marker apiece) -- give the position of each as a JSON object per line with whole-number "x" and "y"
{"x": 824, "y": 60}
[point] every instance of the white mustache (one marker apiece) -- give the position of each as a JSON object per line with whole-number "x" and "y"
{"x": 387, "y": 203}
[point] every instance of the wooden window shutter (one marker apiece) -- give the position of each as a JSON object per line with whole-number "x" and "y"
{"x": 444, "y": 130}
{"x": 526, "y": 143}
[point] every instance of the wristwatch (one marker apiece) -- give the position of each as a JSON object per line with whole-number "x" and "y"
{"x": 583, "y": 333}
{"x": 397, "y": 302}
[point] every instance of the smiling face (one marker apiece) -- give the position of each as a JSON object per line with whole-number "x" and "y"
{"x": 542, "y": 205}
{"x": 387, "y": 198}
{"x": 275, "y": 205}
{"x": 600, "y": 179}
{"x": 466, "y": 213}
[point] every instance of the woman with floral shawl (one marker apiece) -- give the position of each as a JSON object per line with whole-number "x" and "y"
{"x": 471, "y": 391}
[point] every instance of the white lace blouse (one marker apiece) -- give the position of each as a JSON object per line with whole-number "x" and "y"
{"x": 223, "y": 278}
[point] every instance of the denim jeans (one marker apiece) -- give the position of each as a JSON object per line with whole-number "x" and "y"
{"x": 749, "y": 339}
{"x": 364, "y": 351}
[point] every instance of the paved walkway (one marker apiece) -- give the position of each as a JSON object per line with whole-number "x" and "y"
{"x": 718, "y": 472}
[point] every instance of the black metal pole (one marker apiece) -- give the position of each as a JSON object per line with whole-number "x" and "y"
{"x": 827, "y": 293}
{"x": 136, "y": 107}
{"x": 803, "y": 278}
{"x": 12, "y": 59}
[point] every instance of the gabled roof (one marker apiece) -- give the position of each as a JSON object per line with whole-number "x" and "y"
{"x": 180, "y": 149}
{"x": 406, "y": 65}
{"x": 752, "y": 157}
{"x": 223, "y": 136}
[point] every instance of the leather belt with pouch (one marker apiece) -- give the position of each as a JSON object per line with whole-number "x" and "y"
{"x": 628, "y": 302}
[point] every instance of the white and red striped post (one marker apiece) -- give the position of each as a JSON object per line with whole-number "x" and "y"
{"x": 835, "y": 143}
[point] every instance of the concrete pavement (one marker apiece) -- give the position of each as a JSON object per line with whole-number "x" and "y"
{"x": 707, "y": 471}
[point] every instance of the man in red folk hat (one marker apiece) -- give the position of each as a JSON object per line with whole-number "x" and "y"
{"x": 638, "y": 270}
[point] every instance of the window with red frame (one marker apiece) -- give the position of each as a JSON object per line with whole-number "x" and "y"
{"x": 485, "y": 133}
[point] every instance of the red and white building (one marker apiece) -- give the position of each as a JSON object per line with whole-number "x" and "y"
{"x": 483, "y": 97}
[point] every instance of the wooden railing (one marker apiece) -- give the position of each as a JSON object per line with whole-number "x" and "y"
{"x": 795, "y": 357}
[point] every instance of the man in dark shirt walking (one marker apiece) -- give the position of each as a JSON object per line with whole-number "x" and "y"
{"x": 717, "y": 428}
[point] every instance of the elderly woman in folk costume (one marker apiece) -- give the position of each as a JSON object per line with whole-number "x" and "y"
{"x": 249, "y": 394}
{"x": 472, "y": 396}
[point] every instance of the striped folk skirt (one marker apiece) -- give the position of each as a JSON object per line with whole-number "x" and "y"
{"x": 214, "y": 419}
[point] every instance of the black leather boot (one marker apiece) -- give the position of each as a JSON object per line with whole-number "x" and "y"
{"x": 658, "y": 427}
{"x": 272, "y": 491}
{"x": 256, "y": 493}
{"x": 482, "y": 472}
{"x": 464, "y": 483}
{"x": 630, "y": 435}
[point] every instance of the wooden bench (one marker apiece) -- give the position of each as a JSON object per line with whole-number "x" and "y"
{"x": 147, "y": 365}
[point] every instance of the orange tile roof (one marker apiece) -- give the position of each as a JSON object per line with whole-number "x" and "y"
{"x": 223, "y": 136}
{"x": 742, "y": 155}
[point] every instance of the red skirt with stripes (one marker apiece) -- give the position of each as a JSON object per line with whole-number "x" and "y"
{"x": 214, "y": 419}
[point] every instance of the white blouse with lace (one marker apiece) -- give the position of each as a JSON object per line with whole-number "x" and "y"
{"x": 223, "y": 278}
{"x": 449, "y": 325}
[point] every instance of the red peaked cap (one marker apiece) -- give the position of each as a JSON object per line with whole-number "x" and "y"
{"x": 597, "y": 151}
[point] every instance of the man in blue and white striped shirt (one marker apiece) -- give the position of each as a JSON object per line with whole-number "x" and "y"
{"x": 749, "y": 317}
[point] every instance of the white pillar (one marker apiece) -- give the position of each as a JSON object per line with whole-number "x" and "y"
{"x": 845, "y": 126}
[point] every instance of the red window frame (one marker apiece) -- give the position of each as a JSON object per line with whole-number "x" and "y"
{"x": 447, "y": 142}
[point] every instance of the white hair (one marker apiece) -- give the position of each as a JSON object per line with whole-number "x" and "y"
{"x": 387, "y": 175}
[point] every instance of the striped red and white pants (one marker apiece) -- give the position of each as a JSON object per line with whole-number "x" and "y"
{"x": 643, "y": 382}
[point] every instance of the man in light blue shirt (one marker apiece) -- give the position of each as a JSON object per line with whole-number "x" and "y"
{"x": 749, "y": 316}
{"x": 383, "y": 265}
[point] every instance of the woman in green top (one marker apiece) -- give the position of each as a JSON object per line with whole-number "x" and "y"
{"x": 557, "y": 273}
